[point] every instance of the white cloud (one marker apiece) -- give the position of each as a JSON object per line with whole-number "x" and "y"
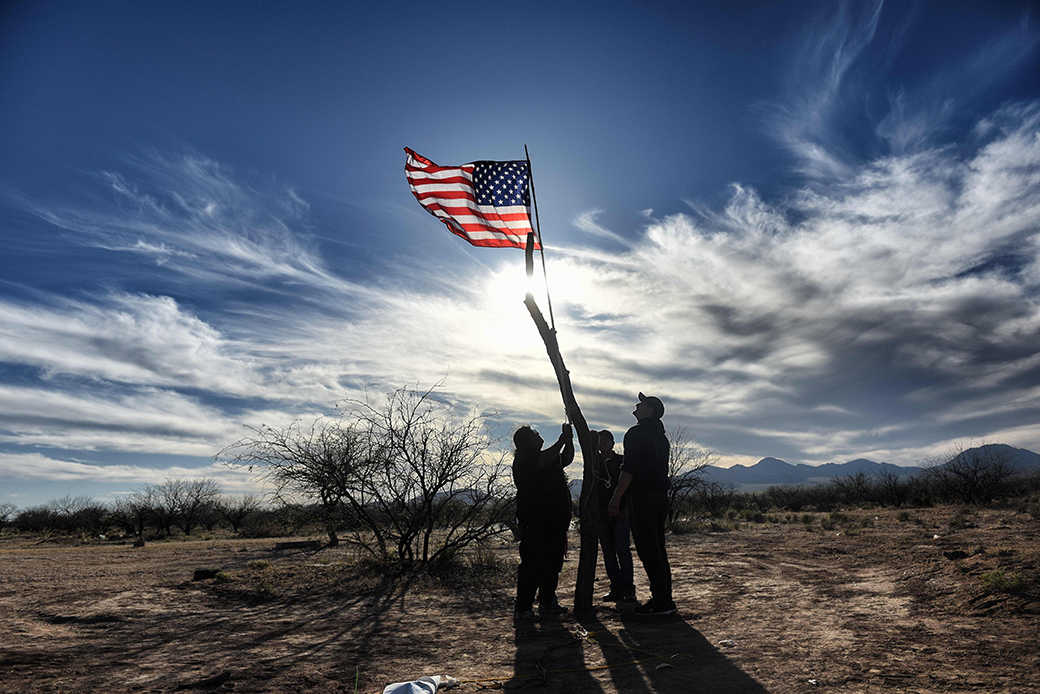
{"x": 586, "y": 221}
{"x": 878, "y": 314}
{"x": 36, "y": 466}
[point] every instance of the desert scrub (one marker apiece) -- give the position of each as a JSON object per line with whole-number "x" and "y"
{"x": 833, "y": 520}
{"x": 752, "y": 516}
{"x": 723, "y": 526}
{"x": 223, "y": 577}
{"x": 960, "y": 520}
{"x": 262, "y": 589}
{"x": 1000, "y": 581}
{"x": 683, "y": 526}
{"x": 258, "y": 564}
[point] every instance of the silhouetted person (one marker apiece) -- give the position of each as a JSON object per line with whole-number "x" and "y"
{"x": 644, "y": 478}
{"x": 614, "y": 531}
{"x": 543, "y": 513}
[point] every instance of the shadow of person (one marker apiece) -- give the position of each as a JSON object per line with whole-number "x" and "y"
{"x": 549, "y": 653}
{"x": 604, "y": 650}
{"x": 694, "y": 661}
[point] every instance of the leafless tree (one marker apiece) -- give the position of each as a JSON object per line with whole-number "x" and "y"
{"x": 892, "y": 489}
{"x": 165, "y": 498}
{"x": 133, "y": 512}
{"x": 235, "y": 509}
{"x": 974, "y": 476}
{"x": 408, "y": 481}
{"x": 78, "y": 513}
{"x": 714, "y": 497}
{"x": 325, "y": 462}
{"x": 686, "y": 462}
{"x": 192, "y": 497}
{"x": 6, "y": 513}
{"x": 854, "y": 489}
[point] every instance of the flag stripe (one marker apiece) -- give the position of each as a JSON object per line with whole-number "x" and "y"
{"x": 451, "y": 195}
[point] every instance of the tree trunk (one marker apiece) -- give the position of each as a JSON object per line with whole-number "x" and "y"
{"x": 589, "y": 551}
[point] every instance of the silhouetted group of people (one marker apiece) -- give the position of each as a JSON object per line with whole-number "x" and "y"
{"x": 632, "y": 501}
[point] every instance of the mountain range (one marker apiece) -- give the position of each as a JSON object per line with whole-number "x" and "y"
{"x": 772, "y": 471}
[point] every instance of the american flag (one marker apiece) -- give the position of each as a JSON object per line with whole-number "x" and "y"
{"x": 485, "y": 202}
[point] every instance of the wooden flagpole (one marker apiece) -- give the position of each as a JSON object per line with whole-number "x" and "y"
{"x": 588, "y": 507}
{"x": 541, "y": 242}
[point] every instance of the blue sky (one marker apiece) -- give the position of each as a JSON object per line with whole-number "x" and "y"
{"x": 810, "y": 228}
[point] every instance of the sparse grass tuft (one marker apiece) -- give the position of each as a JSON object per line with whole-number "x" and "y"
{"x": 960, "y": 520}
{"x": 262, "y": 589}
{"x": 1000, "y": 581}
{"x": 722, "y": 527}
{"x": 223, "y": 577}
{"x": 258, "y": 564}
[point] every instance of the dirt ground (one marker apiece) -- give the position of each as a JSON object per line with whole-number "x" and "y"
{"x": 872, "y": 601}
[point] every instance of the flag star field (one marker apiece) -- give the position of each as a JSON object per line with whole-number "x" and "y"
{"x": 811, "y": 229}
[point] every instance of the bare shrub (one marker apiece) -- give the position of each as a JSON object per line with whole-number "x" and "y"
{"x": 192, "y": 500}
{"x": 408, "y": 481}
{"x": 686, "y": 463}
{"x": 133, "y": 513}
{"x": 853, "y": 490}
{"x": 6, "y": 513}
{"x": 236, "y": 509}
{"x": 973, "y": 476}
{"x": 892, "y": 489}
{"x": 714, "y": 497}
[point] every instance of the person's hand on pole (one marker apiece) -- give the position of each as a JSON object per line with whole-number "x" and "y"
{"x": 567, "y": 433}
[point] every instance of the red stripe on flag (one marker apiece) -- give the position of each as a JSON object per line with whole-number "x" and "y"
{"x": 481, "y": 225}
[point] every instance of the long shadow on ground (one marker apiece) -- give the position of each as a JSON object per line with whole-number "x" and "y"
{"x": 635, "y": 654}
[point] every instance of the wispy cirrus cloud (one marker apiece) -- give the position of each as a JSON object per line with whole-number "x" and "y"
{"x": 901, "y": 304}
{"x": 882, "y": 314}
{"x": 586, "y": 221}
{"x": 830, "y": 99}
{"x": 199, "y": 218}
{"x": 805, "y": 121}
{"x": 40, "y": 467}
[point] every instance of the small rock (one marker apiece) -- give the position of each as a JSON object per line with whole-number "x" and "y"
{"x": 955, "y": 555}
{"x": 728, "y": 643}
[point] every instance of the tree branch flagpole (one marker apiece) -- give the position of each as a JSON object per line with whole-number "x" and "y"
{"x": 541, "y": 242}
{"x": 589, "y": 513}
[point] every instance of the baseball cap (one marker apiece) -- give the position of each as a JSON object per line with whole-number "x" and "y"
{"x": 655, "y": 404}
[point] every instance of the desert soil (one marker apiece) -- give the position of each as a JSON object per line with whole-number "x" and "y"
{"x": 872, "y": 604}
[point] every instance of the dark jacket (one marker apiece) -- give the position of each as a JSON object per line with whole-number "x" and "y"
{"x": 646, "y": 456}
{"x": 543, "y": 498}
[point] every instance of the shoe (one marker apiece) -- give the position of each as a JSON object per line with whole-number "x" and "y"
{"x": 612, "y": 596}
{"x": 652, "y": 608}
{"x": 631, "y": 597}
{"x": 552, "y": 608}
{"x": 527, "y": 615}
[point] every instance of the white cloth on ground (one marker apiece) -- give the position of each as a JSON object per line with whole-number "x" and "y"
{"x": 423, "y": 685}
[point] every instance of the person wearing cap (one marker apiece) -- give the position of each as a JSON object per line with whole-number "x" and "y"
{"x": 644, "y": 482}
{"x": 543, "y": 514}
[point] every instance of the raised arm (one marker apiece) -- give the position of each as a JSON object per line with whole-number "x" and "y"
{"x": 563, "y": 444}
